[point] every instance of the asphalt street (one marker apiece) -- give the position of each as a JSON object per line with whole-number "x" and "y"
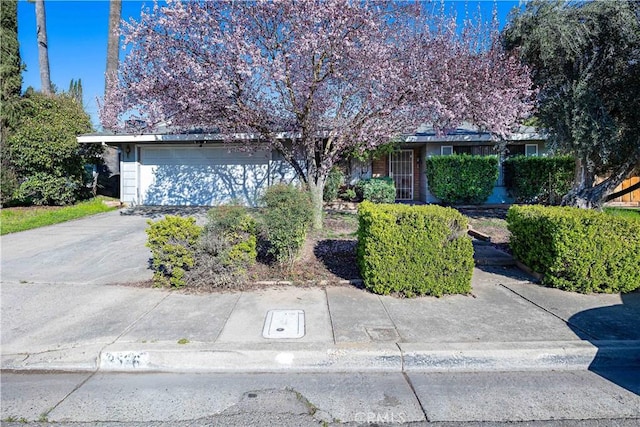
{"x": 298, "y": 399}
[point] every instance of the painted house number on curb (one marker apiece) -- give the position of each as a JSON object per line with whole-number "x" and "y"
{"x": 284, "y": 324}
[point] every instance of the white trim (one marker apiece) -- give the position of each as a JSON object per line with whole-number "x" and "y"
{"x": 442, "y": 150}
{"x": 138, "y": 158}
{"x": 526, "y": 146}
{"x": 136, "y": 139}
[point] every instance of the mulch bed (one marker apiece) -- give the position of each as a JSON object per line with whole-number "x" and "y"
{"x": 327, "y": 258}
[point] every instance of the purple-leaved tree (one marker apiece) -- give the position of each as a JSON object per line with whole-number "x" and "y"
{"x": 330, "y": 76}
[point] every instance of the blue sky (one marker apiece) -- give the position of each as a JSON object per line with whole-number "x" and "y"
{"x": 77, "y": 36}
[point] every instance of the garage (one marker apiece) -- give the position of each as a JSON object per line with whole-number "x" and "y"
{"x": 191, "y": 169}
{"x": 200, "y": 175}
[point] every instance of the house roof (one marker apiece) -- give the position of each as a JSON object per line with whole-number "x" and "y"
{"x": 467, "y": 132}
{"x": 424, "y": 134}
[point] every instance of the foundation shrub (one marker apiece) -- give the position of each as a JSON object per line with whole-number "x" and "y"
{"x": 286, "y": 219}
{"x": 376, "y": 190}
{"x": 541, "y": 180}
{"x": 576, "y": 249}
{"x": 462, "y": 178}
{"x": 414, "y": 250}
{"x": 173, "y": 243}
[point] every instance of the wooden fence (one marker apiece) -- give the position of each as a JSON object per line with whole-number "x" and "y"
{"x": 633, "y": 198}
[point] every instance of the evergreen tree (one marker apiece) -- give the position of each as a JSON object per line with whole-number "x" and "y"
{"x": 47, "y": 156}
{"x": 585, "y": 60}
{"x": 10, "y": 64}
{"x": 10, "y": 88}
{"x": 75, "y": 90}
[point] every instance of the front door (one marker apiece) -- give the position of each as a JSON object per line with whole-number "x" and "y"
{"x": 401, "y": 170}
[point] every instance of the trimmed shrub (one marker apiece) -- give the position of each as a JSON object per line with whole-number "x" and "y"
{"x": 376, "y": 190}
{"x": 577, "y": 249}
{"x": 172, "y": 241}
{"x": 462, "y": 178}
{"x": 539, "y": 179}
{"x": 287, "y": 217}
{"x": 414, "y": 250}
{"x": 335, "y": 180}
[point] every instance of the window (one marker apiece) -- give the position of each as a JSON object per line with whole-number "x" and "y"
{"x": 475, "y": 150}
{"x": 463, "y": 149}
{"x": 446, "y": 150}
{"x": 515, "y": 150}
{"x": 531, "y": 150}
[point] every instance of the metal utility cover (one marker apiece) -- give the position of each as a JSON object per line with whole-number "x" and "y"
{"x": 284, "y": 324}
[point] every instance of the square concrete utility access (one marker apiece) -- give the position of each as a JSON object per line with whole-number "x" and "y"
{"x": 284, "y": 324}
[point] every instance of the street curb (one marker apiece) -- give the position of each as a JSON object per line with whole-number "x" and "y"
{"x": 323, "y": 357}
{"x": 519, "y": 356}
{"x": 271, "y": 357}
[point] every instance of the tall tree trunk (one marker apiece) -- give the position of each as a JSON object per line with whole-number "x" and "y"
{"x": 113, "y": 41}
{"x": 43, "y": 47}
{"x": 316, "y": 189}
{"x": 589, "y": 196}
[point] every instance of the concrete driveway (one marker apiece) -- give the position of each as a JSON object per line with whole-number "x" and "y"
{"x": 101, "y": 249}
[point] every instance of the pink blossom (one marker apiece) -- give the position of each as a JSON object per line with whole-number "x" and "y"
{"x": 333, "y": 74}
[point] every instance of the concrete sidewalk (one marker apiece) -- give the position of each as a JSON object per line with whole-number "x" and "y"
{"x": 508, "y": 323}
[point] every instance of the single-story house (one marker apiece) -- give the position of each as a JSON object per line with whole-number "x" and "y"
{"x": 407, "y": 166}
{"x": 199, "y": 169}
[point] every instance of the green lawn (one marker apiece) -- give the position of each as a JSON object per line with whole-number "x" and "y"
{"x": 26, "y": 218}
{"x": 633, "y": 213}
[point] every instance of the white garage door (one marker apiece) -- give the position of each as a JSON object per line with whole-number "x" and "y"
{"x": 201, "y": 176}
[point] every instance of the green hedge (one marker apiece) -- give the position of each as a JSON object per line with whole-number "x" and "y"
{"x": 539, "y": 179}
{"x": 576, "y": 249}
{"x": 414, "y": 250}
{"x": 462, "y": 178}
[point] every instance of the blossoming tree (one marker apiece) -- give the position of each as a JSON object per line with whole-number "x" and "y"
{"x": 312, "y": 79}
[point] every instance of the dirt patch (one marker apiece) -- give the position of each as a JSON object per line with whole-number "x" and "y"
{"x": 328, "y": 257}
{"x": 492, "y": 222}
